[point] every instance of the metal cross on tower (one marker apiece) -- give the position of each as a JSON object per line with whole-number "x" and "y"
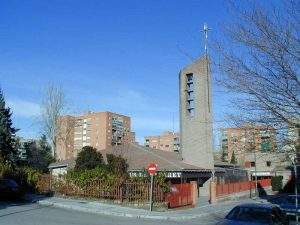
{"x": 205, "y": 30}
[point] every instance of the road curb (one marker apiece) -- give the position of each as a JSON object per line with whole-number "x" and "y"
{"x": 121, "y": 214}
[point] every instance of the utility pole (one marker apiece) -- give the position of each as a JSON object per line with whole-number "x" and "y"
{"x": 294, "y": 160}
{"x": 255, "y": 169}
{"x": 296, "y": 189}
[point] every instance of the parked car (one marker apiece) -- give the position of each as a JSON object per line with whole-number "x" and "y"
{"x": 255, "y": 214}
{"x": 9, "y": 189}
{"x": 287, "y": 204}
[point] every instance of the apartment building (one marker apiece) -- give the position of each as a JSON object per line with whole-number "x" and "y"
{"x": 97, "y": 129}
{"x": 167, "y": 141}
{"x": 293, "y": 137}
{"x": 245, "y": 139}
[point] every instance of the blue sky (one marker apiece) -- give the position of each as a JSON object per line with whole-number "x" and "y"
{"x": 120, "y": 56}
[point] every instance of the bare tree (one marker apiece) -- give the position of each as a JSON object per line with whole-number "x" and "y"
{"x": 53, "y": 106}
{"x": 260, "y": 63}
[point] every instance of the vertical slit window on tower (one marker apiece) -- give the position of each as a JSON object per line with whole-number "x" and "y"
{"x": 190, "y": 94}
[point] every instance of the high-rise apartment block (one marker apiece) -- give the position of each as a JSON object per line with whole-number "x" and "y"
{"x": 167, "y": 141}
{"x": 246, "y": 139}
{"x": 196, "y": 114}
{"x": 97, "y": 129}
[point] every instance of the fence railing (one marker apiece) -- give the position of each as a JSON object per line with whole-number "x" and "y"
{"x": 230, "y": 188}
{"x": 123, "y": 191}
{"x": 180, "y": 195}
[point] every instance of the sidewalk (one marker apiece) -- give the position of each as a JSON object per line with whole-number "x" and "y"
{"x": 117, "y": 210}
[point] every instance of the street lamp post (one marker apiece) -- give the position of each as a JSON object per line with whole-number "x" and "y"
{"x": 294, "y": 161}
{"x": 255, "y": 168}
{"x": 296, "y": 189}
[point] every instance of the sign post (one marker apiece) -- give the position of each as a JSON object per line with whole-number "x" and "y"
{"x": 152, "y": 168}
{"x": 151, "y": 192}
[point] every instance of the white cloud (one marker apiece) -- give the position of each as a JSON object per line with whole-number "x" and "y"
{"x": 24, "y": 109}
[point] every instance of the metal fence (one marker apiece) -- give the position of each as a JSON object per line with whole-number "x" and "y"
{"x": 122, "y": 191}
{"x": 230, "y": 188}
{"x": 180, "y": 195}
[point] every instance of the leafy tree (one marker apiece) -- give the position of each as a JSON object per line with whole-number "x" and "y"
{"x": 38, "y": 154}
{"x": 117, "y": 164}
{"x": 224, "y": 155}
{"x": 233, "y": 158}
{"x": 88, "y": 158}
{"x": 45, "y": 150}
{"x": 8, "y": 152}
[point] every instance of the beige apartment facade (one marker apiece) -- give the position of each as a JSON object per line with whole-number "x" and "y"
{"x": 247, "y": 139}
{"x": 97, "y": 129}
{"x": 167, "y": 141}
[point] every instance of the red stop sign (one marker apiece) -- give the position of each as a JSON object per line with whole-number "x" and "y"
{"x": 152, "y": 168}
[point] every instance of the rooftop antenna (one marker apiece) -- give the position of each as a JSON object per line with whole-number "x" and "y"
{"x": 205, "y": 31}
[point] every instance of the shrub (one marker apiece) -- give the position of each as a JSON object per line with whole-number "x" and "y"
{"x": 26, "y": 177}
{"x": 276, "y": 183}
{"x": 6, "y": 170}
{"x": 83, "y": 177}
{"x": 160, "y": 179}
{"x": 32, "y": 176}
{"x": 117, "y": 165}
{"x": 88, "y": 158}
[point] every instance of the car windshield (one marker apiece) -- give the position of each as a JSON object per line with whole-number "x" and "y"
{"x": 259, "y": 215}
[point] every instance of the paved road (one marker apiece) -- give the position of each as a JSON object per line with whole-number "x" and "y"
{"x": 34, "y": 214}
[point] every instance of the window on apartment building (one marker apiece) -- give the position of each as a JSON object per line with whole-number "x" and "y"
{"x": 265, "y": 146}
{"x": 252, "y": 164}
{"x": 268, "y": 163}
{"x": 190, "y": 99}
{"x": 167, "y": 146}
{"x": 233, "y": 134}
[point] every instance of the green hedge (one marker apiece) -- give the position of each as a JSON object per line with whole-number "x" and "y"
{"x": 26, "y": 177}
{"x": 276, "y": 183}
{"x": 82, "y": 178}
